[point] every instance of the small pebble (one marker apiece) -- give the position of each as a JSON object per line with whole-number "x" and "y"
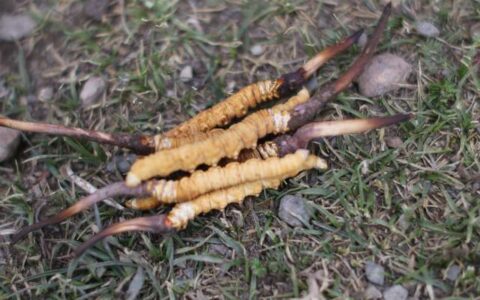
{"x": 383, "y": 74}
{"x": 257, "y": 50}
{"x": 362, "y": 40}
{"x": 186, "y": 74}
{"x": 372, "y": 293}
{"x": 10, "y": 140}
{"x": 427, "y": 29}
{"x": 394, "y": 142}
{"x": 293, "y": 211}
{"x": 396, "y": 292}
{"x": 45, "y": 94}
{"x": 375, "y": 273}
{"x": 122, "y": 163}
{"x": 453, "y": 272}
{"x": 14, "y": 27}
{"x": 92, "y": 90}
{"x": 403, "y": 222}
{"x": 95, "y": 9}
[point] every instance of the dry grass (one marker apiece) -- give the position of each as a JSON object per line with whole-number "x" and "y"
{"x": 413, "y": 209}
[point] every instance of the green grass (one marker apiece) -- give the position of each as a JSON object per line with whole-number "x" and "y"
{"x": 413, "y": 209}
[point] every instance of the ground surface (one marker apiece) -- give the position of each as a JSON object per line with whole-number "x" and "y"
{"x": 412, "y": 207}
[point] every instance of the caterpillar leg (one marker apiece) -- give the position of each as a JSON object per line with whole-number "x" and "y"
{"x": 143, "y": 203}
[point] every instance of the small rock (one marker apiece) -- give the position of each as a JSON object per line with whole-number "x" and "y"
{"x": 475, "y": 31}
{"x": 383, "y": 74}
{"x": 186, "y": 74}
{"x": 14, "y": 27}
{"x": 362, "y": 40}
{"x": 92, "y": 90}
{"x": 95, "y": 9}
{"x": 45, "y": 94}
{"x": 122, "y": 163}
{"x": 403, "y": 222}
{"x": 396, "y": 292}
{"x": 293, "y": 211}
{"x": 257, "y": 50}
{"x": 394, "y": 142}
{"x": 10, "y": 140}
{"x": 372, "y": 293}
{"x": 427, "y": 29}
{"x": 375, "y": 273}
{"x": 453, "y": 272}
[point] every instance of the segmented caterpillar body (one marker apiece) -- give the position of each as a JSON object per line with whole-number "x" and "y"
{"x": 226, "y": 143}
{"x": 162, "y": 142}
{"x": 234, "y": 106}
{"x": 202, "y": 182}
{"x": 182, "y": 213}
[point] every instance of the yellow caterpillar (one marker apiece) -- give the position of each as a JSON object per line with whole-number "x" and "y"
{"x": 202, "y": 182}
{"x": 163, "y": 142}
{"x": 182, "y": 213}
{"x": 234, "y": 106}
{"x": 225, "y": 143}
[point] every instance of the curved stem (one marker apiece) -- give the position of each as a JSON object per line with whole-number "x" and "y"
{"x": 138, "y": 143}
{"x": 155, "y": 224}
{"x": 115, "y": 189}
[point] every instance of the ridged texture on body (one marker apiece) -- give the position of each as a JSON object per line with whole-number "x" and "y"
{"x": 227, "y": 143}
{"x": 215, "y": 178}
{"x": 234, "y": 106}
{"x": 164, "y": 142}
{"x": 182, "y": 213}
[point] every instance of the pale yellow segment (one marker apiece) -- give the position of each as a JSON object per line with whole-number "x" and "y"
{"x": 235, "y": 106}
{"x": 226, "y": 143}
{"x": 201, "y": 182}
{"x": 164, "y": 142}
{"x": 182, "y": 213}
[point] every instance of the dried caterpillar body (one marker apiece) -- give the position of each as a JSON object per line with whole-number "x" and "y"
{"x": 202, "y": 182}
{"x": 234, "y": 106}
{"x": 182, "y": 213}
{"x": 162, "y": 142}
{"x": 227, "y": 143}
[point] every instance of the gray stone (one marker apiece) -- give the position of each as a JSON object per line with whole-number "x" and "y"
{"x": 92, "y": 90}
{"x": 45, "y": 94}
{"x": 257, "y": 50}
{"x": 453, "y": 272}
{"x": 383, "y": 74}
{"x": 122, "y": 163}
{"x": 186, "y": 74}
{"x": 293, "y": 211}
{"x": 403, "y": 222}
{"x": 362, "y": 40}
{"x": 375, "y": 273}
{"x": 396, "y": 292}
{"x": 14, "y": 27}
{"x": 372, "y": 293}
{"x": 394, "y": 142}
{"x": 427, "y": 29}
{"x": 10, "y": 140}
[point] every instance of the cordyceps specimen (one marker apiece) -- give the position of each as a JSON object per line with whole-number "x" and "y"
{"x": 239, "y": 165}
